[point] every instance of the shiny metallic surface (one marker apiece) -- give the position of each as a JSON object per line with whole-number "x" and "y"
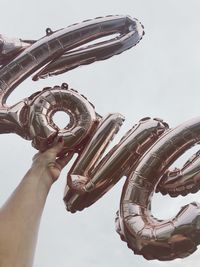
{"x": 91, "y": 177}
{"x": 182, "y": 181}
{"x": 31, "y": 118}
{"x": 144, "y": 154}
{"x": 144, "y": 234}
{"x": 130, "y": 32}
{"x": 10, "y": 48}
{"x": 43, "y": 106}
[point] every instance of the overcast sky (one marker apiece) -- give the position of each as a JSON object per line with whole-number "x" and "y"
{"x": 157, "y": 78}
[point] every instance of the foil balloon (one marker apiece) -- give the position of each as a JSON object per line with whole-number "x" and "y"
{"x": 144, "y": 234}
{"x": 143, "y": 155}
{"x": 53, "y": 54}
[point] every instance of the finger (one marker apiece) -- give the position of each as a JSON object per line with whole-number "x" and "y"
{"x": 57, "y": 148}
{"x": 63, "y": 161}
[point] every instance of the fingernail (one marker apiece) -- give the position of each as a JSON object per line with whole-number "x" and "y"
{"x": 60, "y": 139}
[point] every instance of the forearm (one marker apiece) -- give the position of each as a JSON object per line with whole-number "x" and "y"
{"x": 20, "y": 218}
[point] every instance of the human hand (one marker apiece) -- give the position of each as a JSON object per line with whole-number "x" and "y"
{"x": 48, "y": 164}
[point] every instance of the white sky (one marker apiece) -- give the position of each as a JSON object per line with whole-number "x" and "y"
{"x": 157, "y": 78}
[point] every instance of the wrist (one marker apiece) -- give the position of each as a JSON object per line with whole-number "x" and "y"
{"x": 40, "y": 174}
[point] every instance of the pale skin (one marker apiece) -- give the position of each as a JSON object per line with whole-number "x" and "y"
{"x": 21, "y": 214}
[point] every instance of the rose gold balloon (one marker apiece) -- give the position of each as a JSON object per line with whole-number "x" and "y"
{"x": 144, "y": 234}
{"x": 58, "y": 51}
{"x": 41, "y": 128}
{"x": 144, "y": 154}
{"x": 91, "y": 177}
{"x": 182, "y": 181}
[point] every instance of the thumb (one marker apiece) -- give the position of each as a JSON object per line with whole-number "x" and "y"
{"x": 63, "y": 160}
